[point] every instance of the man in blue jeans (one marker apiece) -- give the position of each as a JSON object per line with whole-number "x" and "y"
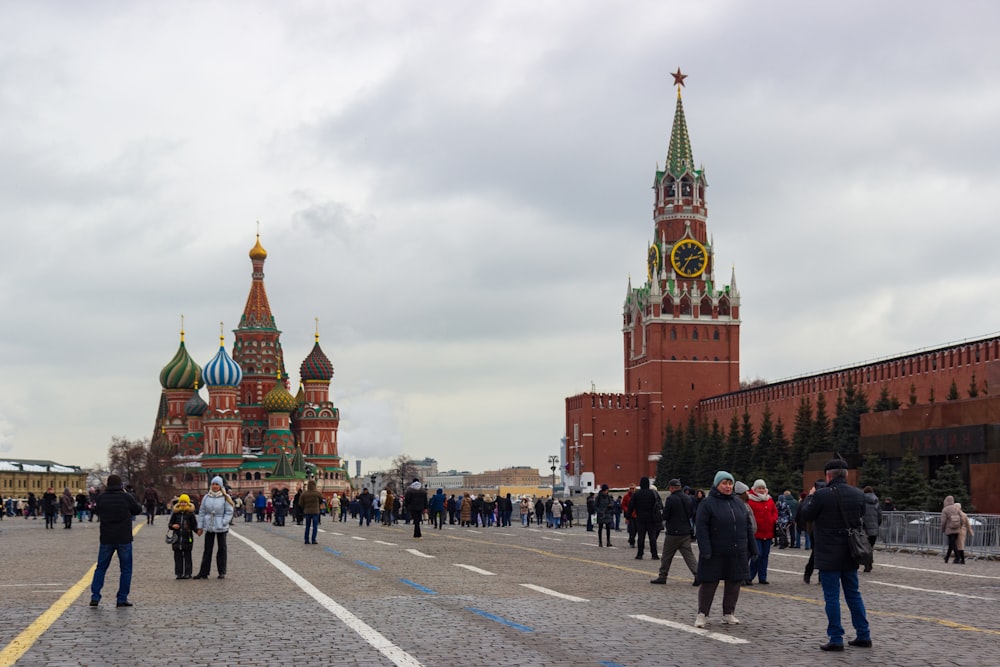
{"x": 115, "y": 509}
{"x": 828, "y": 508}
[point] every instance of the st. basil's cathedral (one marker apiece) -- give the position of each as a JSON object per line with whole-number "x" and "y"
{"x": 251, "y": 431}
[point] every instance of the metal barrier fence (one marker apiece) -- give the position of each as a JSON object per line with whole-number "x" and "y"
{"x": 920, "y": 532}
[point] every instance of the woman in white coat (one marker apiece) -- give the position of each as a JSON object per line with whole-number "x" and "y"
{"x": 214, "y": 516}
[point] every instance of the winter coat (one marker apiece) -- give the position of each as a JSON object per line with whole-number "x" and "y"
{"x": 951, "y": 519}
{"x": 415, "y": 500}
{"x": 765, "y": 513}
{"x": 966, "y": 531}
{"x": 437, "y": 501}
{"x": 215, "y": 513}
{"x": 115, "y": 508}
{"x": 604, "y": 505}
{"x": 311, "y": 500}
{"x": 725, "y": 538}
{"x": 67, "y": 504}
{"x": 677, "y": 513}
{"x": 188, "y": 522}
{"x": 50, "y": 503}
{"x": 829, "y": 531}
{"x": 642, "y": 506}
{"x": 465, "y": 512}
{"x": 873, "y": 514}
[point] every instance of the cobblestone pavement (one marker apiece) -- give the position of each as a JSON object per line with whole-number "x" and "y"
{"x": 460, "y": 596}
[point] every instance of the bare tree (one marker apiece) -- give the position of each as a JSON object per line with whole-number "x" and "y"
{"x": 403, "y": 469}
{"x": 127, "y": 458}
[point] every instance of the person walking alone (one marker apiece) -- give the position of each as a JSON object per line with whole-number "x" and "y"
{"x": 311, "y": 500}
{"x": 415, "y": 501}
{"x": 643, "y": 507}
{"x": 873, "y": 519}
{"x": 114, "y": 509}
{"x": 604, "y": 507}
{"x": 677, "y": 516}
{"x": 828, "y": 508}
{"x": 214, "y": 517}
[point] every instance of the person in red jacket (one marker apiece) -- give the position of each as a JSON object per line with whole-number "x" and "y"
{"x": 629, "y": 518}
{"x": 765, "y": 512}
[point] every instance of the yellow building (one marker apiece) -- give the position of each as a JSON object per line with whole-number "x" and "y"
{"x": 18, "y": 477}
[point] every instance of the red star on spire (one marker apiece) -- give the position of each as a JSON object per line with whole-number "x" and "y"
{"x": 678, "y": 77}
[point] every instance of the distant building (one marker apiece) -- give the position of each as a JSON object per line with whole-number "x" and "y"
{"x": 516, "y": 476}
{"x": 19, "y": 476}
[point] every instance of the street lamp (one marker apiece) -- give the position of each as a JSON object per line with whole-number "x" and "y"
{"x": 553, "y": 462}
{"x": 373, "y": 482}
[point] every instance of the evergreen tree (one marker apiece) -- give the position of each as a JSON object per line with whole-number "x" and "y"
{"x": 708, "y": 458}
{"x": 930, "y": 396}
{"x": 732, "y": 445}
{"x": 952, "y": 392}
{"x": 821, "y": 441}
{"x": 873, "y": 473}
{"x": 687, "y": 461}
{"x": 765, "y": 455}
{"x": 744, "y": 449}
{"x": 948, "y": 482}
{"x": 847, "y": 423}
{"x": 667, "y": 456}
{"x": 886, "y": 401}
{"x": 913, "y": 394}
{"x": 909, "y": 485}
{"x": 802, "y": 435}
{"x": 784, "y": 477}
{"x": 973, "y": 388}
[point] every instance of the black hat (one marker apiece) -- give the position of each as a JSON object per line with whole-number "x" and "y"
{"x": 674, "y": 482}
{"x": 604, "y": 487}
{"x": 835, "y": 464}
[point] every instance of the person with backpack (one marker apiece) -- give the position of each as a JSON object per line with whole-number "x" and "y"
{"x": 951, "y": 526}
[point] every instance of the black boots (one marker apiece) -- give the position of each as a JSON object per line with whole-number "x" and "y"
{"x": 959, "y": 557}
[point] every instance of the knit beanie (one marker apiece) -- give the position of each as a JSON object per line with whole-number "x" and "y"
{"x": 721, "y": 475}
{"x": 740, "y": 488}
{"x": 217, "y": 480}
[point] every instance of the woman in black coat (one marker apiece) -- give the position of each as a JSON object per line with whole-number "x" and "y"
{"x": 725, "y": 545}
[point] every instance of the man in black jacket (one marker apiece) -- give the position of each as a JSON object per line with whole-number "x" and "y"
{"x": 415, "y": 502}
{"x": 677, "y": 517}
{"x": 828, "y": 508}
{"x": 115, "y": 509}
{"x": 642, "y": 506}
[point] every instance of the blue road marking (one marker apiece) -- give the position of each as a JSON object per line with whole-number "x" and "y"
{"x": 609, "y": 663}
{"x": 333, "y": 551}
{"x": 418, "y": 587}
{"x": 368, "y": 565}
{"x": 498, "y": 619}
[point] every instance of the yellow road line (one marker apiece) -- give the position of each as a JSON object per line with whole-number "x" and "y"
{"x": 24, "y": 641}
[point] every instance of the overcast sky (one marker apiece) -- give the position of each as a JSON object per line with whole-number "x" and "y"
{"x": 459, "y": 191}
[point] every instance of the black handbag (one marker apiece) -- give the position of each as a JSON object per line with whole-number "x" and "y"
{"x": 857, "y": 540}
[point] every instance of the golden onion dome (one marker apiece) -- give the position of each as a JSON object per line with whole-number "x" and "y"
{"x": 258, "y": 252}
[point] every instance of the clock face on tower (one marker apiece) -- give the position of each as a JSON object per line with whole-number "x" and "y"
{"x": 653, "y": 261}
{"x": 689, "y": 258}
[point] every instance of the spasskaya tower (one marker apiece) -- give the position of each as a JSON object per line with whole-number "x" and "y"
{"x": 681, "y": 331}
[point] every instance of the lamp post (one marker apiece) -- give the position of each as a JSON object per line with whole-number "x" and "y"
{"x": 373, "y": 482}
{"x": 553, "y": 462}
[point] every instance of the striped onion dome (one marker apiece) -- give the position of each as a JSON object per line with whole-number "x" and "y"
{"x": 181, "y": 372}
{"x": 196, "y": 405}
{"x": 278, "y": 399}
{"x": 222, "y": 371}
{"x": 316, "y": 366}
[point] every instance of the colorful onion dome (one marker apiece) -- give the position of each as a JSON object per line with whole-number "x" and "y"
{"x": 316, "y": 366}
{"x": 181, "y": 372}
{"x": 278, "y": 399}
{"x": 300, "y": 398}
{"x": 195, "y": 406}
{"x": 258, "y": 252}
{"x": 222, "y": 371}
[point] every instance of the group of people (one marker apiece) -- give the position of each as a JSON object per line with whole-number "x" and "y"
{"x": 52, "y": 506}
{"x": 735, "y": 526}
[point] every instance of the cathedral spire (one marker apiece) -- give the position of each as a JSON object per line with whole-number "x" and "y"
{"x": 257, "y": 312}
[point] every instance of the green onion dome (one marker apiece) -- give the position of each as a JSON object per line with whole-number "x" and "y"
{"x": 181, "y": 372}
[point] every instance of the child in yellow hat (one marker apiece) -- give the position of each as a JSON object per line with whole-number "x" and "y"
{"x": 183, "y": 524}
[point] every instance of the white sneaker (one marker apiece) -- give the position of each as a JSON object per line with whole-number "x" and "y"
{"x": 729, "y": 619}
{"x": 699, "y": 622}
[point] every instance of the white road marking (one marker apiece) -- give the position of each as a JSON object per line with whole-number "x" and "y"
{"x": 930, "y": 590}
{"x": 388, "y": 544}
{"x": 549, "y": 591}
{"x": 472, "y": 568}
{"x": 360, "y": 539}
{"x": 419, "y": 553}
{"x": 552, "y": 539}
{"x": 728, "y": 639}
{"x": 378, "y": 641}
